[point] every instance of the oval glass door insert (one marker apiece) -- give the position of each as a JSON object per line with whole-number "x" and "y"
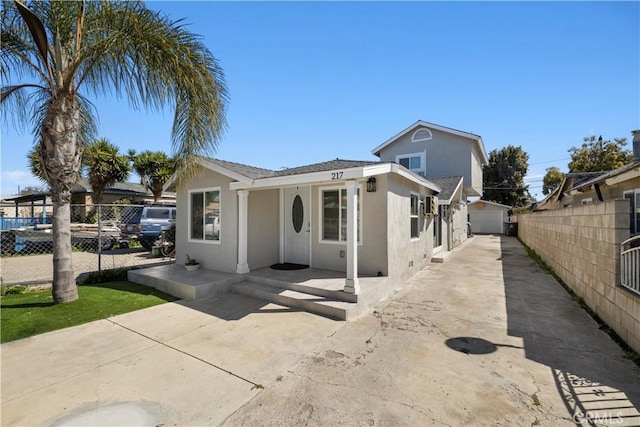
{"x": 297, "y": 213}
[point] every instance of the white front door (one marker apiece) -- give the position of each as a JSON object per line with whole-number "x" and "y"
{"x": 297, "y": 225}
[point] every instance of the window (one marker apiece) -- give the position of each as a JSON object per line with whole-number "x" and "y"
{"x": 587, "y": 201}
{"x": 334, "y": 214}
{"x": 421, "y": 135}
{"x": 158, "y": 213}
{"x": 634, "y": 198}
{"x": 414, "y": 162}
{"x": 415, "y": 217}
{"x": 205, "y": 215}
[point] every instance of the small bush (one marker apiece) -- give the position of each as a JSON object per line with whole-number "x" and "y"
{"x": 12, "y": 290}
{"x": 116, "y": 275}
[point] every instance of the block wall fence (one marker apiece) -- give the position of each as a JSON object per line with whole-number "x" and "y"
{"x": 582, "y": 245}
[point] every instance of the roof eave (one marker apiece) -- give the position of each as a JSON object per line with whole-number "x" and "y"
{"x": 330, "y": 176}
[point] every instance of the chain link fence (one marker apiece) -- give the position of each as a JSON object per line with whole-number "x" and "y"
{"x": 103, "y": 237}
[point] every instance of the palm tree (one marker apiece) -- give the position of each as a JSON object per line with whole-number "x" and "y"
{"x": 75, "y": 49}
{"x": 105, "y": 166}
{"x": 155, "y": 169}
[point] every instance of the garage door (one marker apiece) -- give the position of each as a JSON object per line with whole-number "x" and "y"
{"x": 486, "y": 222}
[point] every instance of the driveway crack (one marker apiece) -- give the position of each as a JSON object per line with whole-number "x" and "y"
{"x": 206, "y": 362}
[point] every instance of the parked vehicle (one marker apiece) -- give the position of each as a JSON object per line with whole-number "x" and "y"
{"x": 145, "y": 223}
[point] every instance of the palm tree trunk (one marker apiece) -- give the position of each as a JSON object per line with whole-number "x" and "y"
{"x": 61, "y": 152}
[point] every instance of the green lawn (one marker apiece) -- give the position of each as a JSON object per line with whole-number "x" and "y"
{"x": 33, "y": 313}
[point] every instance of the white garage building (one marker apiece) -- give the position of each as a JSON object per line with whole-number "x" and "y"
{"x": 487, "y": 217}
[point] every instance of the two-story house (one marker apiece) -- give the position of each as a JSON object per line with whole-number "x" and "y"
{"x": 374, "y": 218}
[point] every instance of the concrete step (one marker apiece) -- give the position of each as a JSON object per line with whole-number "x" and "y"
{"x": 175, "y": 280}
{"x": 338, "y": 295}
{"x": 324, "y": 306}
{"x": 441, "y": 257}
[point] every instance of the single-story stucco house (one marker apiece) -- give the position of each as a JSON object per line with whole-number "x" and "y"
{"x": 386, "y": 217}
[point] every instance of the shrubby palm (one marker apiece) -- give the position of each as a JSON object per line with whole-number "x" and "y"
{"x": 105, "y": 166}
{"x": 155, "y": 169}
{"x": 58, "y": 53}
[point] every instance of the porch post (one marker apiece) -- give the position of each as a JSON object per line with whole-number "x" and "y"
{"x": 243, "y": 204}
{"x": 352, "y": 283}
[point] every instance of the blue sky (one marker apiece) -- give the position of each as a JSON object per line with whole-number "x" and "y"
{"x": 312, "y": 81}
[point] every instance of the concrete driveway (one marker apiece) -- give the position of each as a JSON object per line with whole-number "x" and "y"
{"x": 487, "y": 338}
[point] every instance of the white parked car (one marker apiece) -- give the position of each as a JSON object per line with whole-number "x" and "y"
{"x": 212, "y": 226}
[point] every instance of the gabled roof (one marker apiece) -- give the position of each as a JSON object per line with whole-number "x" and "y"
{"x": 449, "y": 185}
{"x": 476, "y": 138}
{"x": 327, "y": 166}
{"x": 604, "y": 177}
{"x": 486, "y": 202}
{"x": 244, "y": 170}
{"x": 569, "y": 182}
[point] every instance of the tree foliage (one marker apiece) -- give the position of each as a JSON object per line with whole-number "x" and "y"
{"x": 104, "y": 167}
{"x": 551, "y": 180}
{"x": 599, "y": 155}
{"x": 155, "y": 168}
{"x": 504, "y": 177}
{"x": 55, "y": 54}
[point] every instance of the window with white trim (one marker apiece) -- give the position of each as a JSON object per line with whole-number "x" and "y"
{"x": 415, "y": 216}
{"x": 204, "y": 207}
{"x": 421, "y": 135}
{"x": 634, "y": 198}
{"x": 587, "y": 201}
{"x": 415, "y": 162}
{"x": 334, "y": 214}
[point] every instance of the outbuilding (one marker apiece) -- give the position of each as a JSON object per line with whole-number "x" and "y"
{"x": 487, "y": 217}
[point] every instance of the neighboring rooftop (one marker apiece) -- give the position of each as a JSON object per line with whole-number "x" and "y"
{"x": 602, "y": 176}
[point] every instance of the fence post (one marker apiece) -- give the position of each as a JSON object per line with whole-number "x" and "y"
{"x": 99, "y": 238}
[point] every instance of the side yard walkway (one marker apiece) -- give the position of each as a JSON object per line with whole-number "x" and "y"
{"x": 487, "y": 338}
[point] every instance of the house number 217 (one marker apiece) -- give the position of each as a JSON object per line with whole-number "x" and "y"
{"x": 336, "y": 175}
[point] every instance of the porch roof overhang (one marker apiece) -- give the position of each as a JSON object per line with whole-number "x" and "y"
{"x": 333, "y": 176}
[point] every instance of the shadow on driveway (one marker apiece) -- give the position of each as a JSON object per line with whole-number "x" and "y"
{"x": 558, "y": 333}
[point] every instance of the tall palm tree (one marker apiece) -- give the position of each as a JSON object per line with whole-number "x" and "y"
{"x": 75, "y": 49}
{"x": 155, "y": 169}
{"x": 105, "y": 166}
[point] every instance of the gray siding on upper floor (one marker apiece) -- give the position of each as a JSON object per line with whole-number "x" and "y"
{"x": 446, "y": 155}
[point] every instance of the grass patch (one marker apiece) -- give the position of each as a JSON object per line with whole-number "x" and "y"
{"x": 628, "y": 352}
{"x": 34, "y": 313}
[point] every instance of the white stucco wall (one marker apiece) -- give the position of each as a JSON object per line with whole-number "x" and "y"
{"x": 459, "y": 225}
{"x": 406, "y": 255}
{"x": 220, "y": 256}
{"x": 263, "y": 245}
{"x": 372, "y": 252}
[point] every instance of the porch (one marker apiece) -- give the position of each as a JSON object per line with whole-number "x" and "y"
{"x": 314, "y": 290}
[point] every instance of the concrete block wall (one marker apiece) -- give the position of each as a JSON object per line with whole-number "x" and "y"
{"x": 582, "y": 245}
